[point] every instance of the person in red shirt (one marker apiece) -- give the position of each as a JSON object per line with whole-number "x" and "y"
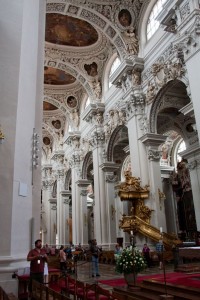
{"x": 37, "y": 258}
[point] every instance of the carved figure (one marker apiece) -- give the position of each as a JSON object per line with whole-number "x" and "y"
{"x": 150, "y": 93}
{"x": 74, "y": 117}
{"x": 131, "y": 41}
{"x": 99, "y": 117}
{"x": 134, "y": 181}
{"x": 97, "y": 88}
{"x": 136, "y": 77}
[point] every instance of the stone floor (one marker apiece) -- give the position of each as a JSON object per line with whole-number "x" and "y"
{"x": 83, "y": 272}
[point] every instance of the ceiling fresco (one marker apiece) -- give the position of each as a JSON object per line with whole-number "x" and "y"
{"x": 69, "y": 31}
{"x": 48, "y": 106}
{"x": 57, "y": 77}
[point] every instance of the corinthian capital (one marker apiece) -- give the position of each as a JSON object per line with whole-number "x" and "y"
{"x": 135, "y": 104}
{"x": 97, "y": 138}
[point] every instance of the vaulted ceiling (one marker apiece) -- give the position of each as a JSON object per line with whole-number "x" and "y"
{"x": 80, "y": 38}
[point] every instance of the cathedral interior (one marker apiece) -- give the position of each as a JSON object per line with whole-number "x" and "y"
{"x": 100, "y": 130}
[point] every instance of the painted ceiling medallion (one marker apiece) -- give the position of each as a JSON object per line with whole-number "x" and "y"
{"x": 48, "y": 106}
{"x": 69, "y": 31}
{"x": 46, "y": 140}
{"x": 57, "y": 77}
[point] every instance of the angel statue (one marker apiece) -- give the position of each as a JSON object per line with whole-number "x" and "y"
{"x": 131, "y": 41}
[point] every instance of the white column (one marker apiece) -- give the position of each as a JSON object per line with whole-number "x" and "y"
{"x": 100, "y": 212}
{"x": 75, "y": 207}
{"x": 83, "y": 230}
{"x": 66, "y": 201}
{"x": 21, "y": 84}
{"x": 170, "y": 201}
{"x": 53, "y": 220}
{"x": 152, "y": 142}
{"x": 192, "y": 154}
{"x": 60, "y": 183}
{"x": 46, "y": 195}
{"x": 111, "y": 205}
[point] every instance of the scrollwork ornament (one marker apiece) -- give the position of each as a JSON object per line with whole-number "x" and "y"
{"x": 84, "y": 193}
{"x": 194, "y": 164}
{"x": 66, "y": 201}
{"x": 98, "y": 138}
{"x": 154, "y": 154}
{"x": 111, "y": 178}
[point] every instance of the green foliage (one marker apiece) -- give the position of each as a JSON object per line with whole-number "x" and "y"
{"x": 129, "y": 261}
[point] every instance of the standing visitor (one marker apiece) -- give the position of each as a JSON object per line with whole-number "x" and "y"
{"x": 146, "y": 254}
{"x": 62, "y": 256}
{"x": 159, "y": 250}
{"x": 37, "y": 258}
{"x": 94, "y": 249}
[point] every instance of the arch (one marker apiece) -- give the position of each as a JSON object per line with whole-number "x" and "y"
{"x": 56, "y": 103}
{"x": 108, "y": 69}
{"x": 86, "y": 163}
{"x": 96, "y": 19}
{"x": 68, "y": 178}
{"x": 158, "y": 102}
{"x": 112, "y": 142}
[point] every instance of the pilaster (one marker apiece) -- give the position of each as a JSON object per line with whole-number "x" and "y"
{"x": 75, "y": 161}
{"x": 53, "y": 221}
{"x": 156, "y": 203}
{"x": 110, "y": 169}
{"x": 169, "y": 201}
{"x": 66, "y": 200}
{"x": 83, "y": 229}
{"x": 192, "y": 155}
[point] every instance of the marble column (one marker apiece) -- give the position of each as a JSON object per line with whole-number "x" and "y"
{"x": 58, "y": 167}
{"x": 66, "y": 195}
{"x": 111, "y": 206}
{"x": 192, "y": 154}
{"x": 152, "y": 142}
{"x": 53, "y": 221}
{"x": 47, "y": 182}
{"x": 170, "y": 201}
{"x": 21, "y": 81}
{"x": 101, "y": 214}
{"x": 83, "y": 185}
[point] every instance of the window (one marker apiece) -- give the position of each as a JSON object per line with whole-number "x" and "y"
{"x": 153, "y": 24}
{"x": 181, "y": 148}
{"x": 114, "y": 66}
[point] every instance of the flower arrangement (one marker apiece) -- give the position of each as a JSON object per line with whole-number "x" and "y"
{"x": 129, "y": 261}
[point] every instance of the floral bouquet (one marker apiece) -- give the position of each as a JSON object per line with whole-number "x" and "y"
{"x": 130, "y": 260}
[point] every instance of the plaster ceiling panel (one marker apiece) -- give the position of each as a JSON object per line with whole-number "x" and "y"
{"x": 57, "y": 77}
{"x": 69, "y": 31}
{"x": 48, "y": 106}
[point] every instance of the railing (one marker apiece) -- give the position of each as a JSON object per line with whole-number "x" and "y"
{"x": 5, "y": 296}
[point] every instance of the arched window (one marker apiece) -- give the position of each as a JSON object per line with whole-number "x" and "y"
{"x": 181, "y": 148}
{"x": 153, "y": 23}
{"x": 114, "y": 66}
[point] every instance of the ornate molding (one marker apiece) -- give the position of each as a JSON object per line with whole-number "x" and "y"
{"x": 93, "y": 114}
{"x": 97, "y": 138}
{"x": 154, "y": 155}
{"x": 194, "y": 164}
{"x": 111, "y": 178}
{"x": 189, "y": 41}
{"x": 136, "y": 104}
{"x": 84, "y": 193}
